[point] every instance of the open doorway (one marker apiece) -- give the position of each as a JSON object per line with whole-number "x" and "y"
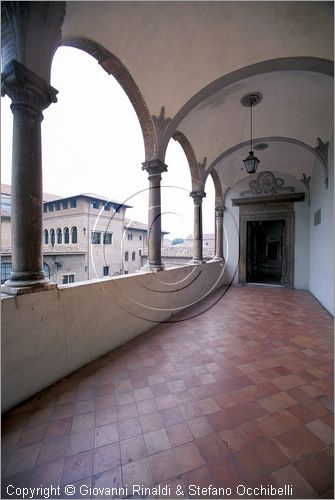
{"x": 266, "y": 241}
{"x": 265, "y": 251}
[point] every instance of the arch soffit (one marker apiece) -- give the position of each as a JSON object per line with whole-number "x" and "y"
{"x": 312, "y": 64}
{"x": 113, "y": 66}
{"x": 197, "y": 170}
{"x": 217, "y": 187}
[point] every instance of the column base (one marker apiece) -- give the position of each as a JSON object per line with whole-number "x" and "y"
{"x": 216, "y": 258}
{"x": 20, "y": 287}
{"x": 197, "y": 262}
{"x": 152, "y": 268}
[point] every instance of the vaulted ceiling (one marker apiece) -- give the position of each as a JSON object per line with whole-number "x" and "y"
{"x": 188, "y": 64}
{"x": 197, "y": 59}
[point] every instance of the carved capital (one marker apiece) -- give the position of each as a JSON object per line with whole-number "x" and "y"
{"x": 198, "y": 196}
{"x": 154, "y": 167}
{"x": 26, "y": 89}
{"x": 219, "y": 211}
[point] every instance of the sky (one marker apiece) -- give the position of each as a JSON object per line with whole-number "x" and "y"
{"x": 92, "y": 143}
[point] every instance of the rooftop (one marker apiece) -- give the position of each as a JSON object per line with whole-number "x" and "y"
{"x": 6, "y": 189}
{"x": 49, "y": 249}
{"x": 141, "y": 226}
{"x": 94, "y": 197}
{"x": 184, "y": 251}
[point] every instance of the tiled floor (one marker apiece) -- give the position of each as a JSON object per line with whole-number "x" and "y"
{"x": 238, "y": 395}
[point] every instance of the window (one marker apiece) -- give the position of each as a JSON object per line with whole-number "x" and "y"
{"x": 52, "y": 237}
{"x": 64, "y": 205}
{"x": 116, "y": 208}
{"x": 46, "y": 237}
{"x": 133, "y": 256}
{"x": 45, "y": 209}
{"x": 59, "y": 236}
{"x": 66, "y": 235}
{"x": 68, "y": 278}
{"x": 46, "y": 270}
{"x": 94, "y": 204}
{"x": 73, "y": 203}
{"x": 74, "y": 235}
{"x": 95, "y": 238}
{"x": 107, "y": 238}
{"x": 140, "y": 237}
{"x": 130, "y": 236}
{"x": 106, "y": 270}
{"x": 126, "y": 256}
{"x": 107, "y": 207}
{"x": 6, "y": 269}
{"x": 139, "y": 253}
{"x": 57, "y": 206}
{"x": 51, "y": 208}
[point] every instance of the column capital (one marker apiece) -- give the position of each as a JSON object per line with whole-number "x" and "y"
{"x": 198, "y": 196}
{"x": 219, "y": 211}
{"x": 154, "y": 167}
{"x": 25, "y": 88}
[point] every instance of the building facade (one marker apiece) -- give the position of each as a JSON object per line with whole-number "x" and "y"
{"x": 85, "y": 237}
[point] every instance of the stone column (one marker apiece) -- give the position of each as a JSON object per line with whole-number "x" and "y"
{"x": 218, "y": 233}
{"x": 29, "y": 95}
{"x": 154, "y": 169}
{"x": 197, "y": 226}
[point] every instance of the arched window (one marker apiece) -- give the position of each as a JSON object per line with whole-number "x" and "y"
{"x": 46, "y": 270}
{"x": 74, "y": 235}
{"x": 126, "y": 256}
{"x": 46, "y": 237}
{"x": 59, "y": 236}
{"x": 66, "y": 235}
{"x": 133, "y": 256}
{"x": 52, "y": 237}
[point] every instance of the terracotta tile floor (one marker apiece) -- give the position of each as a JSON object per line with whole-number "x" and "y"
{"x": 241, "y": 394}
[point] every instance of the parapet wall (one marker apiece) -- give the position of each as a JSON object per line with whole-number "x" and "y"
{"x": 47, "y": 335}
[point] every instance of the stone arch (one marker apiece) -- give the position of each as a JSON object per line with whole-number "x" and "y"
{"x": 302, "y": 144}
{"x": 195, "y": 168}
{"x": 218, "y": 188}
{"x": 313, "y": 64}
{"x": 113, "y": 66}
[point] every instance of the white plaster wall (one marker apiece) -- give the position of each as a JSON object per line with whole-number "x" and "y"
{"x": 48, "y": 335}
{"x": 301, "y": 234}
{"x": 322, "y": 236}
{"x": 301, "y": 245}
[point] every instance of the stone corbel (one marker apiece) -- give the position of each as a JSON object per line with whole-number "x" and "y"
{"x": 161, "y": 123}
{"x": 322, "y": 151}
{"x": 306, "y": 181}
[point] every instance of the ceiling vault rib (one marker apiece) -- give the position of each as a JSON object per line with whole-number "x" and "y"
{"x": 309, "y": 64}
{"x": 320, "y": 152}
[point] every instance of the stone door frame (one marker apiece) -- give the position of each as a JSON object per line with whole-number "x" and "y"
{"x": 269, "y": 212}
